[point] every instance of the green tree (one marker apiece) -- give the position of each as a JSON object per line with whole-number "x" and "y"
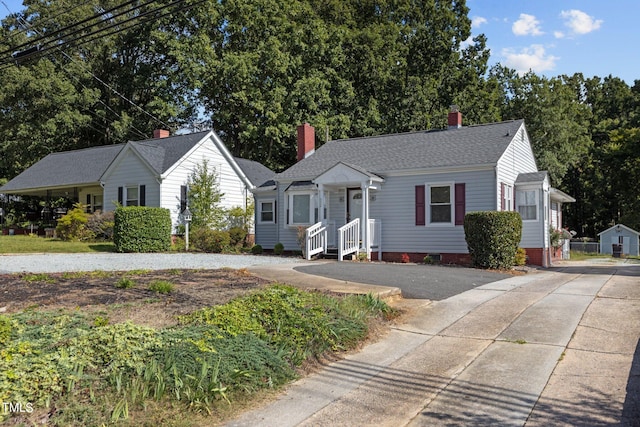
{"x": 205, "y": 197}
{"x": 556, "y": 117}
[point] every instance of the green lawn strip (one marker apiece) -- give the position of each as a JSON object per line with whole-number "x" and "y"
{"x": 89, "y": 369}
{"x": 33, "y": 244}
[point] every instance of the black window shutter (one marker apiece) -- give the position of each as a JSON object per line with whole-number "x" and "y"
{"x": 275, "y": 211}
{"x": 460, "y": 199}
{"x": 143, "y": 195}
{"x": 183, "y": 197}
{"x": 120, "y": 196}
{"x": 89, "y": 203}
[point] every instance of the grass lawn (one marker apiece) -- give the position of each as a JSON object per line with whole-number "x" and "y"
{"x": 32, "y": 244}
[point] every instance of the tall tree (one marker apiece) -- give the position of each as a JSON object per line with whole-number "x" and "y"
{"x": 556, "y": 117}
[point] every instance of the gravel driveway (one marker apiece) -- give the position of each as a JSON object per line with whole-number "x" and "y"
{"x": 57, "y": 263}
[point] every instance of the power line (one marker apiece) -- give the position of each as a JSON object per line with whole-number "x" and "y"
{"x": 100, "y": 33}
{"x": 50, "y": 19}
{"x": 42, "y": 40}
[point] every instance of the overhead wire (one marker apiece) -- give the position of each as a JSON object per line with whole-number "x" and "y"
{"x": 62, "y": 42}
{"x": 101, "y": 33}
{"x": 48, "y": 19}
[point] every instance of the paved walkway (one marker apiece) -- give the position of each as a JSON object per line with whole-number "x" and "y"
{"x": 549, "y": 348}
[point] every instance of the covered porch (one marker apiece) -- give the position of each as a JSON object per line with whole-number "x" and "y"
{"x": 344, "y": 222}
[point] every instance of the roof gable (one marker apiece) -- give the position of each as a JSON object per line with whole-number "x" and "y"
{"x": 622, "y": 226}
{"x": 162, "y": 153}
{"x": 467, "y": 146}
{"x": 343, "y": 172}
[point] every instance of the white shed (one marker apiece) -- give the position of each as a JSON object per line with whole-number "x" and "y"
{"x": 620, "y": 234}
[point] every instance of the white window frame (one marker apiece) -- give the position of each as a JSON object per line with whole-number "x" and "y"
{"x": 536, "y": 200}
{"x": 261, "y": 210}
{"x": 313, "y": 208}
{"x": 126, "y": 198}
{"x": 507, "y": 197}
{"x": 452, "y": 213}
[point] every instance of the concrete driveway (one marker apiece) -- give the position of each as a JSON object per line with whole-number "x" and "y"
{"x": 551, "y": 348}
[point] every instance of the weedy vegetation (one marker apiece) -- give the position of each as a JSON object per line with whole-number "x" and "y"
{"x": 79, "y": 369}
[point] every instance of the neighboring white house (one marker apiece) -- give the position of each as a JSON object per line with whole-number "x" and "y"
{"x": 152, "y": 172}
{"x": 620, "y": 235}
{"x": 408, "y": 193}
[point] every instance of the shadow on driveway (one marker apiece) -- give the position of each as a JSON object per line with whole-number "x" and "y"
{"x": 416, "y": 281}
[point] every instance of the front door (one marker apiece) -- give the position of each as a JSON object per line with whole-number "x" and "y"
{"x": 354, "y": 205}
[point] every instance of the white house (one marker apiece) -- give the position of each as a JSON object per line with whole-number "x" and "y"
{"x": 620, "y": 234}
{"x": 152, "y": 172}
{"x": 408, "y": 193}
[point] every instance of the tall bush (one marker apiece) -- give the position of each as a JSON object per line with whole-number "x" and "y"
{"x": 73, "y": 225}
{"x": 205, "y": 197}
{"x": 493, "y": 238}
{"x": 142, "y": 229}
{"x": 208, "y": 240}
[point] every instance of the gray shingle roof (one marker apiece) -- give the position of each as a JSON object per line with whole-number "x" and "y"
{"x": 256, "y": 172}
{"x": 531, "y": 177}
{"x": 68, "y": 168}
{"x": 471, "y": 145}
{"x": 162, "y": 153}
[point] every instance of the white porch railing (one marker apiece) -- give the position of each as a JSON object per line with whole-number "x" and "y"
{"x": 315, "y": 238}
{"x": 348, "y": 238}
{"x": 375, "y": 234}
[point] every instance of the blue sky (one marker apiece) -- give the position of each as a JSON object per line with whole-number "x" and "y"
{"x": 551, "y": 37}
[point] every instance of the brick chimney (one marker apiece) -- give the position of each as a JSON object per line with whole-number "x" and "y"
{"x": 455, "y": 118}
{"x": 306, "y": 141}
{"x": 160, "y": 133}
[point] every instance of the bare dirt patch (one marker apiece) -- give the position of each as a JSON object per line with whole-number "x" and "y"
{"x": 97, "y": 292}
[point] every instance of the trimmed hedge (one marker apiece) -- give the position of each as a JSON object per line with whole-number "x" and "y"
{"x": 142, "y": 229}
{"x": 493, "y": 238}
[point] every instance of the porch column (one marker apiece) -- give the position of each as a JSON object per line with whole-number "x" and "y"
{"x": 365, "y": 219}
{"x": 321, "y": 203}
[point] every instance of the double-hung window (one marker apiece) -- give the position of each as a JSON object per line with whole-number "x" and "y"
{"x": 267, "y": 212}
{"x": 302, "y": 209}
{"x": 527, "y": 205}
{"x": 132, "y": 196}
{"x": 440, "y": 199}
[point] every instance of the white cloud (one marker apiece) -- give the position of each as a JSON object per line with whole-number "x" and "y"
{"x": 477, "y": 21}
{"x": 580, "y": 22}
{"x": 527, "y": 25}
{"x": 532, "y": 58}
{"x": 558, "y": 34}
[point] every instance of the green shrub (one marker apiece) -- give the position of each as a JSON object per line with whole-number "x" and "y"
{"x": 278, "y": 248}
{"x": 237, "y": 235}
{"x": 493, "y": 238}
{"x": 161, "y": 286}
{"x": 101, "y": 225}
{"x": 521, "y": 257}
{"x": 142, "y": 229}
{"x": 73, "y": 225}
{"x": 208, "y": 240}
{"x": 256, "y": 249}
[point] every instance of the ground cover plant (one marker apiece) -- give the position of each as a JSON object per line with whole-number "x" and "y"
{"x": 229, "y": 336}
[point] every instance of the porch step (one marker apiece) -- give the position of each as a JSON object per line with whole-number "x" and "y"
{"x": 332, "y": 253}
